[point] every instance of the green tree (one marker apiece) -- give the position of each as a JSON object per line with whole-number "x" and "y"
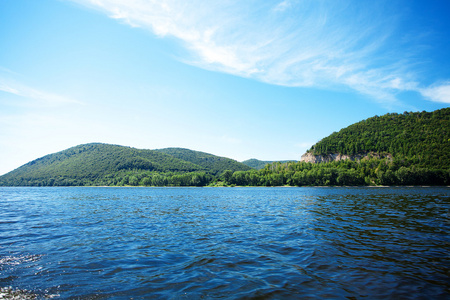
{"x": 226, "y": 176}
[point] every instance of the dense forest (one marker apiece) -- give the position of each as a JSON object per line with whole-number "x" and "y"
{"x": 393, "y": 149}
{"x": 369, "y": 171}
{"x": 424, "y": 136}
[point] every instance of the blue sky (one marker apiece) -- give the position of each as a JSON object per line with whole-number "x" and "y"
{"x": 241, "y": 79}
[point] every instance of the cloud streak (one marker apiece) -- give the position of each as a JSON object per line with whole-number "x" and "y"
{"x": 43, "y": 97}
{"x": 438, "y": 93}
{"x": 302, "y": 43}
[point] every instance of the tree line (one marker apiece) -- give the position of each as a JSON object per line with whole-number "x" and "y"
{"x": 406, "y": 149}
{"x": 366, "y": 172}
{"x": 374, "y": 171}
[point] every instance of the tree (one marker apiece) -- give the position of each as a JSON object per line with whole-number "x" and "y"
{"x": 133, "y": 180}
{"x": 226, "y": 176}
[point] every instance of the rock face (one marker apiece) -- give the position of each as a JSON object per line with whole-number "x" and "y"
{"x": 311, "y": 158}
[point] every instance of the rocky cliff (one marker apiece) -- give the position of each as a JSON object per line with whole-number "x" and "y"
{"x": 309, "y": 157}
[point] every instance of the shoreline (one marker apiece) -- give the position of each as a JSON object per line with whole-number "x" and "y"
{"x": 237, "y": 186}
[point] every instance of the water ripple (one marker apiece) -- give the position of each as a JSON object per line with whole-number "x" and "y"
{"x": 235, "y": 243}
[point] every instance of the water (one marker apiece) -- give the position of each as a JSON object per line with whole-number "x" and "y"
{"x": 231, "y": 243}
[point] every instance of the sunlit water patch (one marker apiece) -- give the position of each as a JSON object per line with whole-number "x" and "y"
{"x": 233, "y": 243}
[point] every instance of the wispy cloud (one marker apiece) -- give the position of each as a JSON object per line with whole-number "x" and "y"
{"x": 282, "y": 6}
{"x": 292, "y": 43}
{"x": 438, "y": 93}
{"x": 43, "y": 97}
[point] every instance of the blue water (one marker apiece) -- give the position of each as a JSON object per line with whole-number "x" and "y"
{"x": 231, "y": 243}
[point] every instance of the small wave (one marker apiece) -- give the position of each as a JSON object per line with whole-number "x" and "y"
{"x": 18, "y": 294}
{"x": 17, "y": 260}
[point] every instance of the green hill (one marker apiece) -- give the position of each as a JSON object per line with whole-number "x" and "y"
{"x": 215, "y": 165}
{"x": 394, "y": 149}
{"x": 112, "y": 165}
{"x": 96, "y": 164}
{"x": 424, "y": 136}
{"x": 259, "y": 164}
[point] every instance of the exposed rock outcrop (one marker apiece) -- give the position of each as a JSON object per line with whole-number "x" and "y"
{"x": 309, "y": 157}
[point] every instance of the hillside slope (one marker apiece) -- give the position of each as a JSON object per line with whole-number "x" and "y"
{"x": 214, "y": 164}
{"x": 394, "y": 149}
{"x": 90, "y": 163}
{"x": 260, "y": 164}
{"x": 424, "y": 136}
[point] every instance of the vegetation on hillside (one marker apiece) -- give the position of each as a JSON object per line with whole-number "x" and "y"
{"x": 423, "y": 136}
{"x": 370, "y": 171}
{"x": 400, "y": 149}
{"x": 102, "y": 164}
{"x": 258, "y": 164}
{"x": 214, "y": 164}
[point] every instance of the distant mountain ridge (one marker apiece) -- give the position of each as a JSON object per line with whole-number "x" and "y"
{"x": 214, "y": 164}
{"x": 260, "y": 164}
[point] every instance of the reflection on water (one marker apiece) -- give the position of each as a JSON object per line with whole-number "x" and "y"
{"x": 335, "y": 243}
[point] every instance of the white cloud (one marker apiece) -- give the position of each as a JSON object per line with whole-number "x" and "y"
{"x": 438, "y": 93}
{"x": 282, "y": 6}
{"x": 293, "y": 43}
{"x": 8, "y": 89}
{"x": 43, "y": 97}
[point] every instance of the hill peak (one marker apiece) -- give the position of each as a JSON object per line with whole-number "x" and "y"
{"x": 424, "y": 135}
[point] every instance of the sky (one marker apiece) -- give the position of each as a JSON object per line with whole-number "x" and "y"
{"x": 240, "y": 79}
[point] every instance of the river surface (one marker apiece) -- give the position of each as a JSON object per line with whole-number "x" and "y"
{"x": 230, "y": 243}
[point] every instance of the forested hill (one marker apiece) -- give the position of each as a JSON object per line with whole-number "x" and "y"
{"x": 393, "y": 149}
{"x": 256, "y": 164}
{"x": 260, "y": 164}
{"x": 423, "y": 136}
{"x": 214, "y": 164}
{"x": 104, "y": 164}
